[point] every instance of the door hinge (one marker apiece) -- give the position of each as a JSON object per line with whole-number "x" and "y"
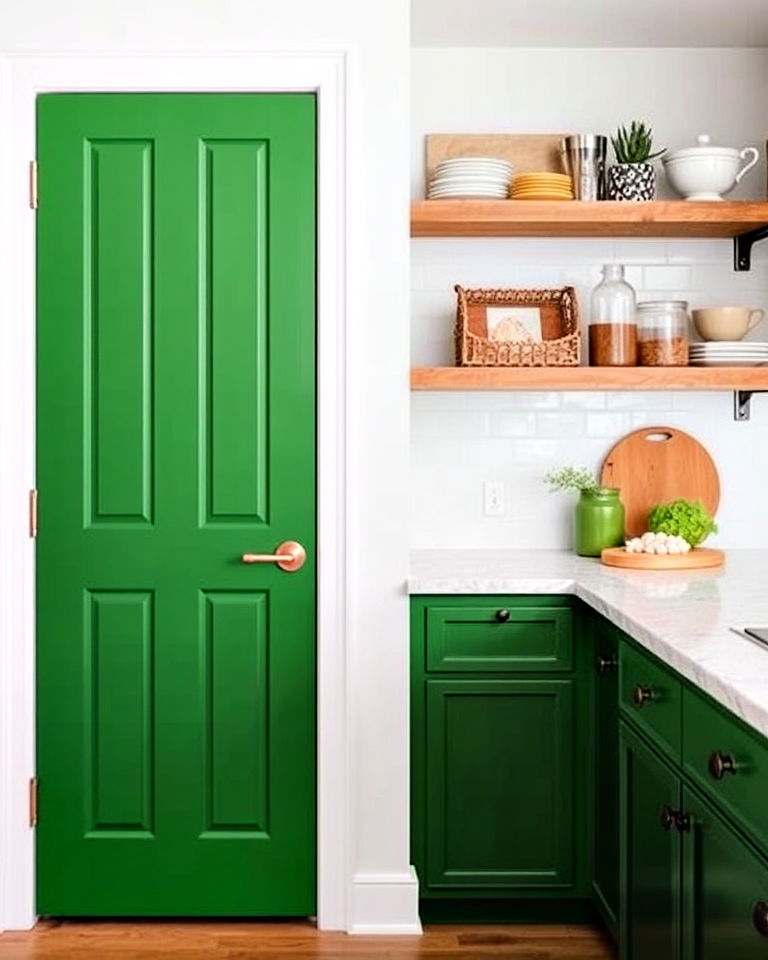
{"x": 33, "y": 513}
{"x": 33, "y": 184}
{"x": 33, "y": 809}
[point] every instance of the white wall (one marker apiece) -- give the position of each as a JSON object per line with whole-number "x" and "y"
{"x": 379, "y": 891}
{"x": 462, "y": 439}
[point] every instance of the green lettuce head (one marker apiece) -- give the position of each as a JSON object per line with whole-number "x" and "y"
{"x": 688, "y": 519}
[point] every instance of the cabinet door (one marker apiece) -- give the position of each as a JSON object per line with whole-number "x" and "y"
{"x": 726, "y": 890}
{"x": 500, "y": 784}
{"x": 605, "y": 832}
{"x": 650, "y": 854}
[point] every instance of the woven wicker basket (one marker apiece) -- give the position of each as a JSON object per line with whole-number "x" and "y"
{"x": 563, "y": 350}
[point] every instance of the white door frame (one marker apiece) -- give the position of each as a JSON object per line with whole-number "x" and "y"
{"x": 329, "y": 73}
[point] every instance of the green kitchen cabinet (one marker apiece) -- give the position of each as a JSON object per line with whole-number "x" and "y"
{"x": 499, "y": 736}
{"x": 498, "y": 750}
{"x": 650, "y": 853}
{"x": 725, "y": 906}
{"x": 605, "y": 756}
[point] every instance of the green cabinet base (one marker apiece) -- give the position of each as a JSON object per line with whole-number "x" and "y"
{"x": 507, "y": 910}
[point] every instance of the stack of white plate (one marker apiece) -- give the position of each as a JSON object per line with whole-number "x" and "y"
{"x": 482, "y": 177}
{"x": 728, "y": 353}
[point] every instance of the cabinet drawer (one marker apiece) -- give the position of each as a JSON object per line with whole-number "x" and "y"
{"x": 495, "y": 638}
{"x": 728, "y": 761}
{"x": 650, "y": 697}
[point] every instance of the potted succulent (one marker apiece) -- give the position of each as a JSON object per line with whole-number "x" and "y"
{"x": 632, "y": 177}
{"x": 598, "y": 520}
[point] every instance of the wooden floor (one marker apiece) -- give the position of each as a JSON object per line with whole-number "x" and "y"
{"x": 101, "y": 940}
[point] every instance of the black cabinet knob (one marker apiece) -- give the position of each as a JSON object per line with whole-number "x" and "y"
{"x": 760, "y": 917}
{"x": 607, "y": 664}
{"x": 674, "y": 818}
{"x": 720, "y": 764}
{"x": 641, "y": 695}
{"x": 502, "y": 616}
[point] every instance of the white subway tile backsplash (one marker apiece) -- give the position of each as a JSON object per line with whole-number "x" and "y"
{"x": 626, "y": 400}
{"x": 667, "y": 277}
{"x": 608, "y": 424}
{"x": 583, "y": 400}
{"x": 557, "y": 424}
{"x": 451, "y": 423}
{"x": 507, "y": 424}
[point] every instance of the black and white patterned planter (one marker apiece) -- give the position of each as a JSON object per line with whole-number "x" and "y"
{"x": 631, "y": 181}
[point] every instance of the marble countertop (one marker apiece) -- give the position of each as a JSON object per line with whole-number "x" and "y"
{"x": 685, "y": 618}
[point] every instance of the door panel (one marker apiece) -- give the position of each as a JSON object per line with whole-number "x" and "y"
{"x": 176, "y": 431}
{"x": 725, "y": 881}
{"x": 651, "y": 881}
{"x": 233, "y": 266}
{"x": 117, "y": 322}
{"x": 499, "y": 783}
{"x": 120, "y": 647}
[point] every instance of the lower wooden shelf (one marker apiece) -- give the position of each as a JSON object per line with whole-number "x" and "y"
{"x": 590, "y": 378}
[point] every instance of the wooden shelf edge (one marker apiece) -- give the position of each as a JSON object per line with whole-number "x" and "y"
{"x": 606, "y": 218}
{"x": 589, "y": 378}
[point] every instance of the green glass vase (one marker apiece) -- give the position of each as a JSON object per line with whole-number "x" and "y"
{"x": 599, "y": 521}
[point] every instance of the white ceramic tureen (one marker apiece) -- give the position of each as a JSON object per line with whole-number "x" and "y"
{"x": 705, "y": 172}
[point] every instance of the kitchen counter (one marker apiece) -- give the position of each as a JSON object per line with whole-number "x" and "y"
{"x": 685, "y": 618}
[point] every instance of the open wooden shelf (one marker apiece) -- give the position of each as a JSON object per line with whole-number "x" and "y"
{"x": 606, "y": 218}
{"x": 589, "y": 378}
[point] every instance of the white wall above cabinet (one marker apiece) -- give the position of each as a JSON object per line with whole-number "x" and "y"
{"x": 590, "y": 23}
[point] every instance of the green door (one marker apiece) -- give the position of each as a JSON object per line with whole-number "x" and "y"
{"x": 499, "y": 784}
{"x": 176, "y": 432}
{"x": 726, "y": 902}
{"x": 649, "y": 924}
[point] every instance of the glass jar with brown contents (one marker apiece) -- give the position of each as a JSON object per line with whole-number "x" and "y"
{"x": 613, "y": 324}
{"x": 663, "y": 333}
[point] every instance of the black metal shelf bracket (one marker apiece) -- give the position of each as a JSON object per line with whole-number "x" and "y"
{"x": 742, "y": 247}
{"x": 742, "y": 404}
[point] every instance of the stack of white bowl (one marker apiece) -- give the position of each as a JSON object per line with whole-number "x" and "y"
{"x": 480, "y": 177}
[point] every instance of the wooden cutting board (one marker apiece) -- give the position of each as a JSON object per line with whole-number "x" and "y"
{"x": 656, "y": 465}
{"x": 700, "y": 557}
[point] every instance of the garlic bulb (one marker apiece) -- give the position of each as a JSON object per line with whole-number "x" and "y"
{"x": 660, "y": 544}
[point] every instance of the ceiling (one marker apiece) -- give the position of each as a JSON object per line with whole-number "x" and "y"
{"x": 589, "y": 23}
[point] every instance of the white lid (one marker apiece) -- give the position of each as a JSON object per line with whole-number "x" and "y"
{"x": 703, "y": 148}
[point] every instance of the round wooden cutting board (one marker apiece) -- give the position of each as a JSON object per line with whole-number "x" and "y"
{"x": 655, "y": 465}
{"x": 700, "y": 557}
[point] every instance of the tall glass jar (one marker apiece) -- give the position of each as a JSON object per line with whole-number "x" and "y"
{"x": 663, "y": 333}
{"x": 612, "y": 324}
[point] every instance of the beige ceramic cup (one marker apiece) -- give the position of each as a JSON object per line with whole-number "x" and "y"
{"x": 725, "y": 323}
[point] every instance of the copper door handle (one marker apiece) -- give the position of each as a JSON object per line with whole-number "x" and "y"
{"x": 289, "y": 556}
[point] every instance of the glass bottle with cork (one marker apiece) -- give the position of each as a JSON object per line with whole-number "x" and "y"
{"x": 613, "y": 322}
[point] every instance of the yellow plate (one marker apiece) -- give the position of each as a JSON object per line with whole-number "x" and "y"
{"x": 543, "y": 196}
{"x": 542, "y": 193}
{"x": 552, "y": 177}
{"x": 543, "y": 189}
{"x": 565, "y": 181}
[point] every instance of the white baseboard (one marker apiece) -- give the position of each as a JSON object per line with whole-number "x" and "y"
{"x": 385, "y": 903}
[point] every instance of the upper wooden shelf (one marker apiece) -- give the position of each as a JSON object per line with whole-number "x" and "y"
{"x": 606, "y": 218}
{"x": 589, "y": 378}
